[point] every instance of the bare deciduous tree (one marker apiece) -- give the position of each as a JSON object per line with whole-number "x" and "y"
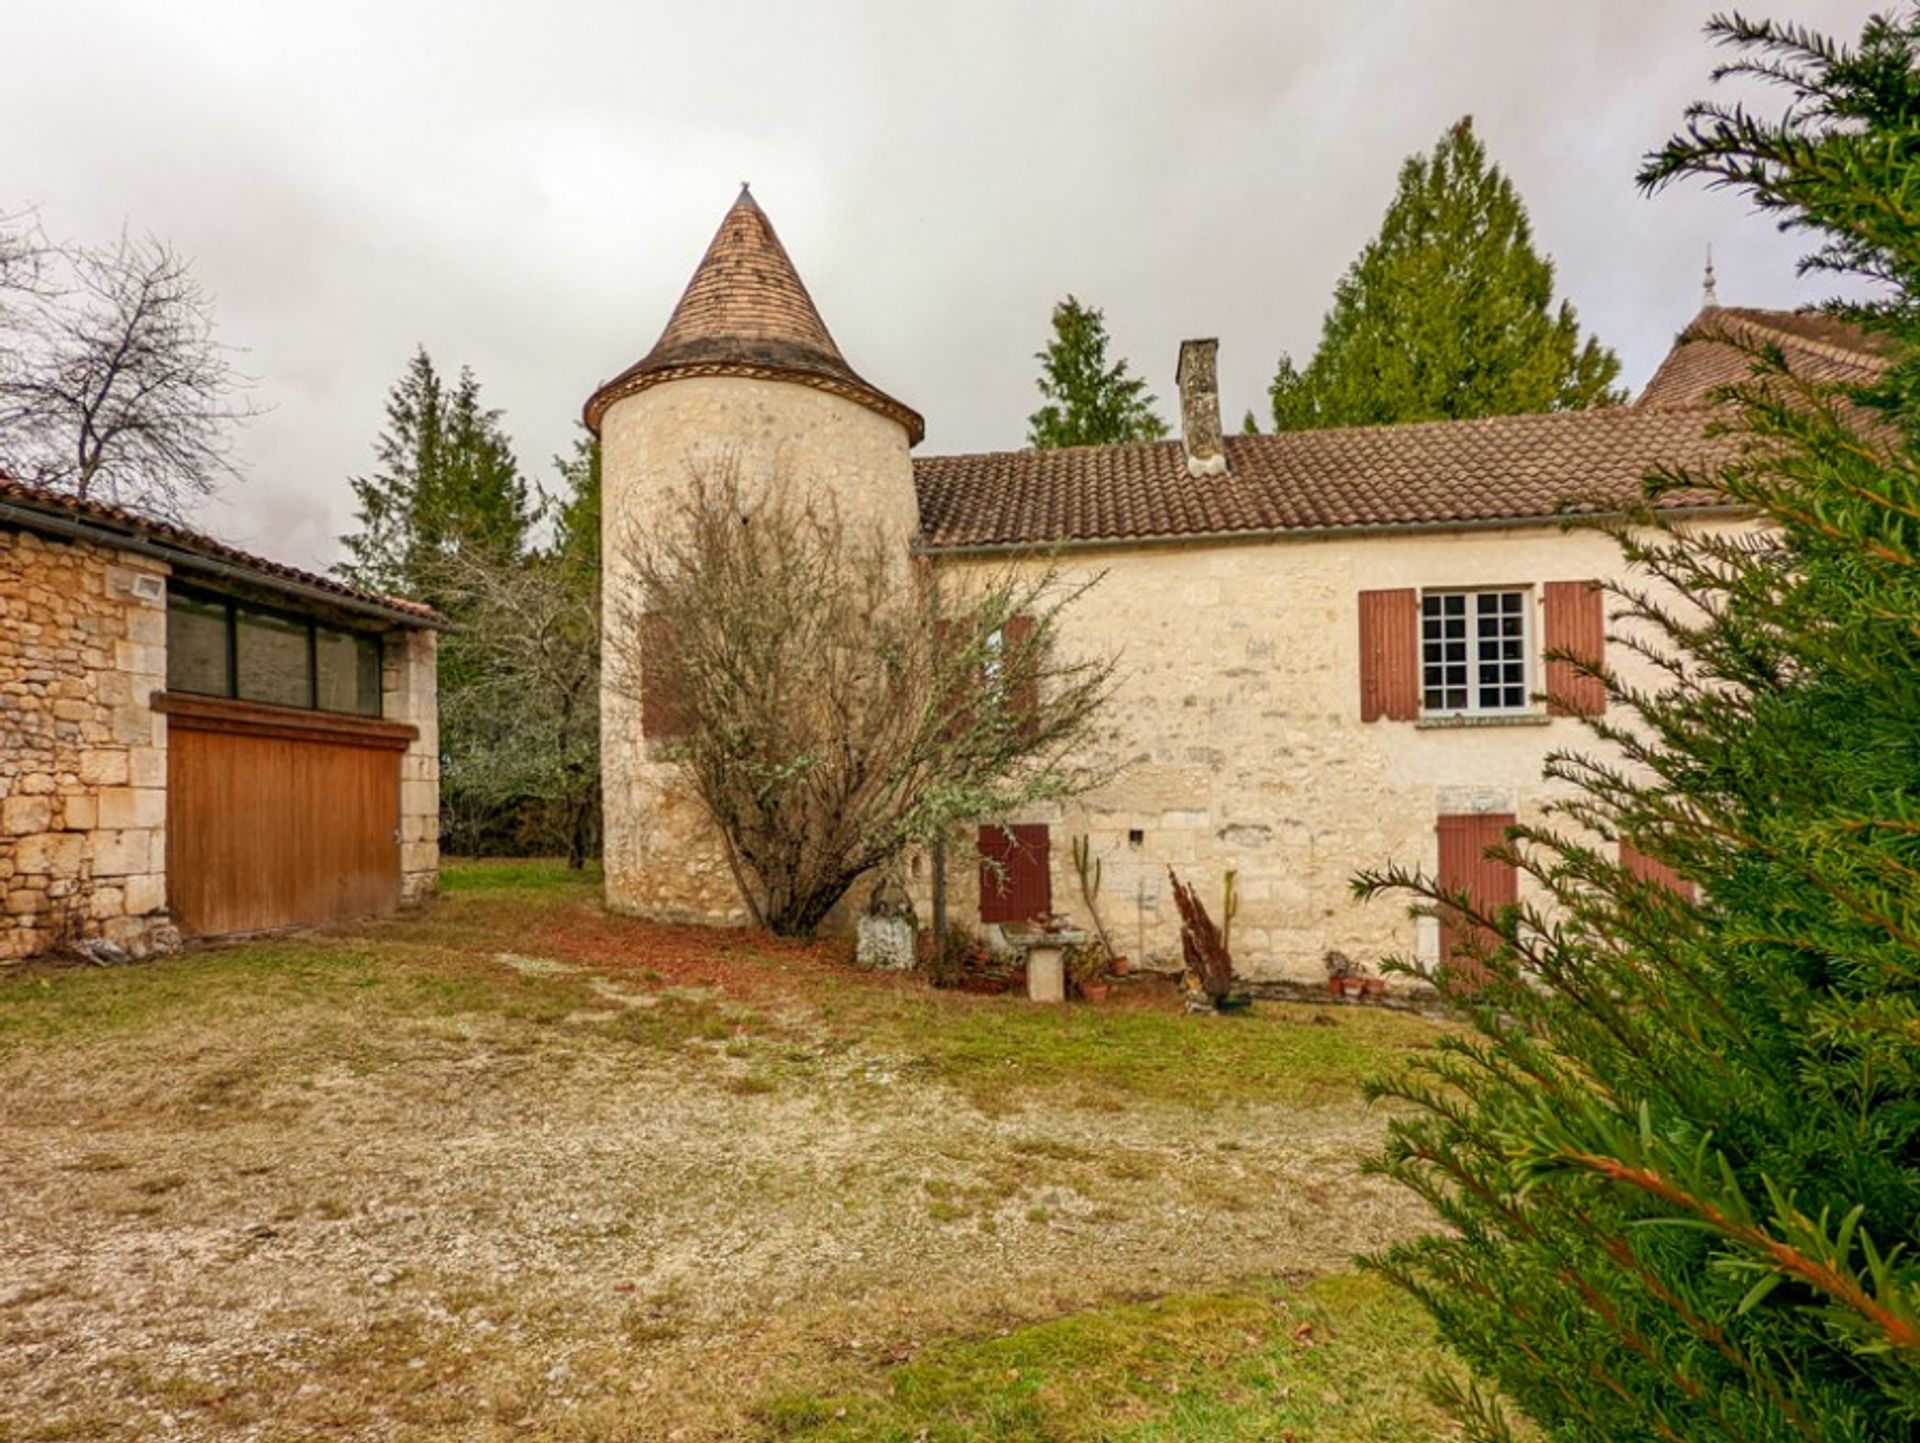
{"x": 521, "y": 706}
{"x": 112, "y": 384}
{"x": 832, "y": 704}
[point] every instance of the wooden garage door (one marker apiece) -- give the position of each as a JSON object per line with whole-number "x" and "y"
{"x": 278, "y": 818}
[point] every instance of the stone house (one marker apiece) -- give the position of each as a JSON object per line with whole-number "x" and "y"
{"x": 1332, "y": 644}
{"x": 195, "y": 741}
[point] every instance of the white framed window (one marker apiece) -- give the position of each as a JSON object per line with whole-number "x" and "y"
{"x": 1473, "y": 652}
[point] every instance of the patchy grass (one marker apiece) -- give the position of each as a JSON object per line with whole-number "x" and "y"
{"x": 520, "y": 1169}
{"x": 1340, "y": 1360}
{"x": 238, "y": 985}
{"x": 521, "y": 876}
{"x": 1003, "y": 1051}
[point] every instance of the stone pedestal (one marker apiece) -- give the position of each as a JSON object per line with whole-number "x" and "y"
{"x": 885, "y": 943}
{"x": 1046, "y": 973}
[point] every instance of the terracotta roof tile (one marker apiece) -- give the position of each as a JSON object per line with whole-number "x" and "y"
{"x": 1505, "y": 468}
{"x": 747, "y": 312}
{"x": 1815, "y": 346}
{"x": 121, "y": 523}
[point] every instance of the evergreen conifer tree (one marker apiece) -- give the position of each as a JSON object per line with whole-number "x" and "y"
{"x": 576, "y": 511}
{"x": 1680, "y": 1150}
{"x": 447, "y": 484}
{"x": 1448, "y": 313}
{"x": 1089, "y": 402}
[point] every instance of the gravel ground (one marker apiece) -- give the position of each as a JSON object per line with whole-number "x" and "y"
{"x": 473, "y": 1227}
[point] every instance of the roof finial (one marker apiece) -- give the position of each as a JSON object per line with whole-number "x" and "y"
{"x": 1709, "y": 296}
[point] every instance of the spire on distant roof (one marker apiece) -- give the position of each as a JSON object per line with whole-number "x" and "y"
{"x": 1709, "y": 296}
{"x": 747, "y": 312}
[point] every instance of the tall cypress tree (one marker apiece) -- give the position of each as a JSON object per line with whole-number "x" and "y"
{"x": 447, "y": 484}
{"x": 1680, "y": 1152}
{"x": 576, "y": 510}
{"x": 1448, "y": 313}
{"x": 1089, "y": 401}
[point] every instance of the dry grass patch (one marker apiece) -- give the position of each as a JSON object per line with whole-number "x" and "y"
{"x": 521, "y": 1170}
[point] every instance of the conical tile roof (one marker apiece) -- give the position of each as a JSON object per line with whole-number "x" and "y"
{"x": 746, "y": 312}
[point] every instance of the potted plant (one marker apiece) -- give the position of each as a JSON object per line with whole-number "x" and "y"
{"x": 1343, "y": 975}
{"x": 1087, "y": 967}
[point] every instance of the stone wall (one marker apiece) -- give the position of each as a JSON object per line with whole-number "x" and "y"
{"x": 1238, "y": 740}
{"x": 83, "y": 761}
{"x": 664, "y": 858}
{"x": 408, "y": 693}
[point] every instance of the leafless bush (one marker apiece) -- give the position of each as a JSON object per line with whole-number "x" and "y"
{"x": 520, "y": 698}
{"x": 112, "y": 384}
{"x": 830, "y": 700}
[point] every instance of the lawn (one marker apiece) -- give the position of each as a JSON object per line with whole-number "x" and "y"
{"x": 518, "y": 1169}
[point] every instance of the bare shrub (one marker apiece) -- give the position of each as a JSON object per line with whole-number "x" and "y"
{"x": 831, "y": 701}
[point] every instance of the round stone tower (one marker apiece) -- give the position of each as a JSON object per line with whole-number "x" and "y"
{"x": 745, "y": 375}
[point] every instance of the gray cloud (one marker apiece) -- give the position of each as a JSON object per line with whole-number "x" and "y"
{"x": 524, "y": 188}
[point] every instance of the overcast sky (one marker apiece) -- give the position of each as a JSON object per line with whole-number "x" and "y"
{"x": 525, "y": 187}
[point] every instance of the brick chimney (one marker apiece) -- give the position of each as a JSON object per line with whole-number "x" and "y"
{"x": 1198, "y": 378}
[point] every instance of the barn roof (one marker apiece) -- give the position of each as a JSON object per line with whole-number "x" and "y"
{"x": 36, "y": 508}
{"x": 746, "y": 312}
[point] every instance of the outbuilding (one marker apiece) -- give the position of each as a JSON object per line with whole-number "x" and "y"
{"x": 199, "y": 742}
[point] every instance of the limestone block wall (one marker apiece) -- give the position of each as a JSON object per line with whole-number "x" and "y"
{"x": 664, "y": 858}
{"x": 1239, "y": 743}
{"x": 83, "y": 760}
{"x": 408, "y": 693}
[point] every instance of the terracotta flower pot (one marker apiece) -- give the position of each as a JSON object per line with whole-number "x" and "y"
{"x": 1119, "y": 967}
{"x": 1094, "y": 991}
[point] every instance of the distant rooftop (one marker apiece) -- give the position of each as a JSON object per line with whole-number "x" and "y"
{"x": 1707, "y": 354}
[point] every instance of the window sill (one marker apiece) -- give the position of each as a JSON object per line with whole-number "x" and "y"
{"x": 1468, "y": 721}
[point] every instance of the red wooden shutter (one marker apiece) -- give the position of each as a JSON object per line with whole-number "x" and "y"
{"x": 660, "y": 711}
{"x": 1390, "y": 655}
{"x": 1489, "y": 882}
{"x": 1016, "y": 880}
{"x": 1021, "y": 673}
{"x": 1648, "y": 870}
{"x": 1576, "y": 624}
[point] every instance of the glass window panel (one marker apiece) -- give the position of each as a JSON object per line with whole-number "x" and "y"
{"x": 370, "y": 698}
{"x": 1473, "y": 651}
{"x": 197, "y": 647}
{"x": 272, "y": 654}
{"x": 347, "y": 675}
